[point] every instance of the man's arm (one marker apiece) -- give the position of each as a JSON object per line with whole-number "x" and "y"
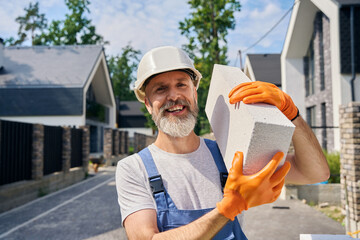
{"x": 205, "y": 227}
{"x": 308, "y": 164}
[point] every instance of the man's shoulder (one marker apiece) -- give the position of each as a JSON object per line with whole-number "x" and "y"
{"x": 129, "y": 163}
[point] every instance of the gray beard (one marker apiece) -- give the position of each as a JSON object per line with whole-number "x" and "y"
{"x": 176, "y": 126}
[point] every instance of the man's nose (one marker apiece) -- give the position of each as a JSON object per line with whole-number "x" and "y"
{"x": 173, "y": 95}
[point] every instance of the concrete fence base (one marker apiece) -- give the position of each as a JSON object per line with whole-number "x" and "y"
{"x": 315, "y": 194}
{"x": 16, "y": 194}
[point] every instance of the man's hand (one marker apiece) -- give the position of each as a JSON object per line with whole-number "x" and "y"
{"x": 245, "y": 191}
{"x": 263, "y": 92}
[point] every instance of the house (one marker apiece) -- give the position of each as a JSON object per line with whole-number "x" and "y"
{"x": 320, "y": 63}
{"x": 58, "y": 85}
{"x": 263, "y": 67}
{"x": 132, "y": 118}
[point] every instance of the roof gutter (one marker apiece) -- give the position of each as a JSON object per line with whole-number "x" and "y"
{"x": 352, "y": 42}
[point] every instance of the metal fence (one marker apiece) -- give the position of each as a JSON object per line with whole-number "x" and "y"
{"x": 53, "y": 139}
{"x": 15, "y": 151}
{"x": 76, "y": 148}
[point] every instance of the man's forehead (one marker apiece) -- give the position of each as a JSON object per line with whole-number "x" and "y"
{"x": 168, "y": 77}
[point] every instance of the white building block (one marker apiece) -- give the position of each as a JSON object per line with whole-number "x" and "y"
{"x": 325, "y": 237}
{"x": 257, "y": 130}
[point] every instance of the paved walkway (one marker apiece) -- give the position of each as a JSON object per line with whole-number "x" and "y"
{"x": 287, "y": 219}
{"x": 86, "y": 210}
{"x": 89, "y": 210}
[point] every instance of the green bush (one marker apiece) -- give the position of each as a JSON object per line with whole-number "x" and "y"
{"x": 333, "y": 160}
{"x": 131, "y": 150}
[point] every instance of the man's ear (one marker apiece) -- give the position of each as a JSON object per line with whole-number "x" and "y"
{"x": 148, "y": 105}
{"x": 195, "y": 95}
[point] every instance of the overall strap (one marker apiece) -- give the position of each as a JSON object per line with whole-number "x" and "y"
{"x": 148, "y": 162}
{"x": 215, "y": 152}
{"x": 162, "y": 199}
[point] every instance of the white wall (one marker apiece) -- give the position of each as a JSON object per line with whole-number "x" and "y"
{"x": 293, "y": 48}
{"x": 103, "y": 90}
{"x": 248, "y": 69}
{"x": 112, "y": 115}
{"x": 50, "y": 120}
{"x": 292, "y": 81}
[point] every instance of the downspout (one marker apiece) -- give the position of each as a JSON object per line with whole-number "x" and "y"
{"x": 353, "y": 77}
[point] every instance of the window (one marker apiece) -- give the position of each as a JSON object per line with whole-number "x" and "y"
{"x": 323, "y": 125}
{"x": 309, "y": 69}
{"x": 321, "y": 48}
{"x": 94, "y": 110}
{"x": 310, "y": 116}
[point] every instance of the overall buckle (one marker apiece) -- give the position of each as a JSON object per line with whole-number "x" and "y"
{"x": 156, "y": 184}
{"x": 223, "y": 178}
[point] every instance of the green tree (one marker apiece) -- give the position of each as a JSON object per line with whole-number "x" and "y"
{"x": 9, "y": 41}
{"x": 76, "y": 29}
{"x": 333, "y": 160}
{"x": 53, "y": 35}
{"x": 32, "y": 22}
{"x": 207, "y": 29}
{"x": 122, "y": 70}
{"x": 150, "y": 123}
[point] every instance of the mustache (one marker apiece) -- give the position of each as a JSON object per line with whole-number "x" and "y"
{"x": 170, "y": 104}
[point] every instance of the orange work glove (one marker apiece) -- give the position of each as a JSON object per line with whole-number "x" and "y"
{"x": 242, "y": 192}
{"x": 263, "y": 92}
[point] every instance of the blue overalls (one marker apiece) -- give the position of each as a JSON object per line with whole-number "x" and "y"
{"x": 168, "y": 216}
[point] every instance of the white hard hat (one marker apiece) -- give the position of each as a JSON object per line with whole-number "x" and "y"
{"x": 163, "y": 59}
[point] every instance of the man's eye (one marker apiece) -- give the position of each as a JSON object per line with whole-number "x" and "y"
{"x": 159, "y": 89}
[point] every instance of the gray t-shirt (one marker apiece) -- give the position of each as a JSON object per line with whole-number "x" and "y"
{"x": 192, "y": 180}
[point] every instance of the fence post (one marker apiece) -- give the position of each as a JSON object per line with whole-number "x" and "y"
{"x": 126, "y": 141}
{"x": 141, "y": 141}
{"x": 122, "y": 142}
{"x": 85, "y": 147}
{"x": 350, "y": 161}
{"x": 116, "y": 143}
{"x": 136, "y": 142}
{"x": 107, "y": 143}
{"x": 37, "y": 152}
{"x": 66, "y": 149}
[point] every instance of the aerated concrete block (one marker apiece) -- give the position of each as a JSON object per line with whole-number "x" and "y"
{"x": 257, "y": 130}
{"x": 325, "y": 237}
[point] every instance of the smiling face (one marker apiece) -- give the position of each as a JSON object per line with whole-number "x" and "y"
{"x": 171, "y": 100}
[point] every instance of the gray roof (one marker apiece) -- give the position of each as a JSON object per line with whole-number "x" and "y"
{"x": 46, "y": 81}
{"x": 43, "y": 66}
{"x": 266, "y": 67}
{"x": 130, "y": 108}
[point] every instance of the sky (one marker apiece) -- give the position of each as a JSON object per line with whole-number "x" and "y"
{"x": 146, "y": 24}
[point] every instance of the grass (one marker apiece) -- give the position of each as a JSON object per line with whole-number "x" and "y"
{"x": 333, "y": 212}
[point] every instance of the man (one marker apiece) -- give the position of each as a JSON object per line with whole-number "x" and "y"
{"x": 172, "y": 189}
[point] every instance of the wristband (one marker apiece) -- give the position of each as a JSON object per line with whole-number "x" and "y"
{"x": 298, "y": 113}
